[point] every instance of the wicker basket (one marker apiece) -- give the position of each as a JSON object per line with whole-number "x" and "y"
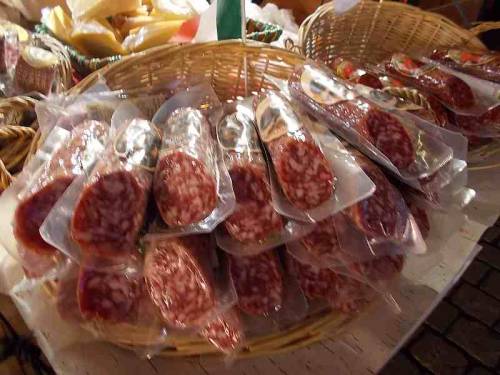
{"x": 222, "y": 64}
{"x": 373, "y": 30}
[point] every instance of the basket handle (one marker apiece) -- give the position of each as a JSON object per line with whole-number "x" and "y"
{"x": 482, "y": 27}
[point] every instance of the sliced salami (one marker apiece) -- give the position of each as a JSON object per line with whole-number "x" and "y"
{"x": 335, "y": 102}
{"x": 322, "y": 241}
{"x": 447, "y": 87}
{"x": 108, "y": 295}
{"x": 225, "y": 332}
{"x": 258, "y": 280}
{"x": 315, "y": 283}
{"x": 179, "y": 280}
{"x": 484, "y": 65}
{"x": 86, "y": 142}
{"x": 254, "y": 218}
{"x": 185, "y": 183}
{"x": 110, "y": 210}
{"x": 304, "y": 173}
{"x": 348, "y": 70}
{"x": 384, "y": 214}
{"x": 488, "y": 122}
{"x": 350, "y": 295}
{"x": 421, "y": 218}
{"x": 380, "y": 268}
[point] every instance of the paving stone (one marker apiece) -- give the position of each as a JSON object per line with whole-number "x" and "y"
{"x": 400, "y": 364}
{"x": 475, "y": 272}
{"x": 442, "y": 316}
{"x": 477, "y": 340}
{"x": 439, "y": 356}
{"x": 480, "y": 371}
{"x": 490, "y": 255}
{"x": 477, "y": 304}
{"x": 491, "y": 284}
{"x": 492, "y": 235}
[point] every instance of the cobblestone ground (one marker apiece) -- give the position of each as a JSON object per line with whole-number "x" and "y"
{"x": 462, "y": 335}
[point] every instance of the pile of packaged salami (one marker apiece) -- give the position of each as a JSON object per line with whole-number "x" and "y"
{"x": 223, "y": 219}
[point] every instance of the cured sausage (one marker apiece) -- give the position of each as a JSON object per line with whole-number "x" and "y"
{"x": 108, "y": 295}
{"x": 384, "y": 214}
{"x": 380, "y": 268}
{"x": 350, "y": 295}
{"x": 334, "y": 102}
{"x": 110, "y": 210}
{"x": 315, "y": 282}
{"x": 184, "y": 183}
{"x": 225, "y": 332}
{"x": 254, "y": 218}
{"x": 348, "y": 70}
{"x": 72, "y": 159}
{"x": 483, "y": 65}
{"x": 447, "y": 87}
{"x": 421, "y": 218}
{"x": 179, "y": 280}
{"x": 303, "y": 172}
{"x": 322, "y": 241}
{"x": 470, "y": 124}
{"x": 258, "y": 281}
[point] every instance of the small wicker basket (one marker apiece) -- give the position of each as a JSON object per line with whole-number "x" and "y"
{"x": 223, "y": 65}
{"x": 373, "y": 30}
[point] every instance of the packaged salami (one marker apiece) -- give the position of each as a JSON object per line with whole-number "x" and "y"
{"x": 312, "y": 175}
{"x": 226, "y": 332}
{"x": 353, "y": 72}
{"x": 391, "y": 139}
{"x": 181, "y": 282}
{"x": 192, "y": 187}
{"x": 484, "y": 65}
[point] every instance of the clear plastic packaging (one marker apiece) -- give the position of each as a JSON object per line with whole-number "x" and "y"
{"x": 312, "y": 175}
{"x": 181, "y": 282}
{"x": 392, "y": 140}
{"x": 101, "y": 214}
{"x": 192, "y": 186}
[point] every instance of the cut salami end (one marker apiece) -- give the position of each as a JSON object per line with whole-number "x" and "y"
{"x": 258, "y": 281}
{"x": 303, "y": 171}
{"x": 31, "y": 213}
{"x": 106, "y": 295}
{"x": 225, "y": 332}
{"x": 184, "y": 189}
{"x": 178, "y": 282}
{"x": 322, "y": 241}
{"x": 315, "y": 283}
{"x": 254, "y": 218}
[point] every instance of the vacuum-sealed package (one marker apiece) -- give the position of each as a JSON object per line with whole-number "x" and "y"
{"x": 394, "y": 141}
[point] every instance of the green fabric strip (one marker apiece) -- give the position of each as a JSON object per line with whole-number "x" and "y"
{"x": 228, "y": 19}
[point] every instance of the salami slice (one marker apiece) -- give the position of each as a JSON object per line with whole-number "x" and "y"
{"x": 304, "y": 173}
{"x": 184, "y": 184}
{"x": 322, "y": 241}
{"x": 66, "y": 294}
{"x": 315, "y": 283}
{"x": 110, "y": 210}
{"x": 350, "y": 295}
{"x": 384, "y": 214}
{"x": 179, "y": 281}
{"x": 380, "y": 268}
{"x": 488, "y": 122}
{"x": 108, "y": 295}
{"x": 447, "y": 87}
{"x": 485, "y": 65}
{"x": 334, "y": 102}
{"x": 258, "y": 280}
{"x": 71, "y": 160}
{"x": 348, "y": 70}
{"x": 225, "y": 332}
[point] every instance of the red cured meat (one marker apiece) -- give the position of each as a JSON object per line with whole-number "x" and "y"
{"x": 381, "y": 268}
{"x": 258, "y": 281}
{"x": 225, "y": 332}
{"x": 315, "y": 283}
{"x": 107, "y": 295}
{"x": 384, "y": 214}
{"x": 66, "y": 296}
{"x": 69, "y": 161}
{"x": 185, "y": 191}
{"x": 303, "y": 172}
{"x": 350, "y": 295}
{"x": 179, "y": 282}
{"x": 447, "y": 87}
{"x": 380, "y": 128}
{"x": 482, "y": 65}
{"x": 487, "y": 122}
{"x": 350, "y": 71}
{"x": 254, "y": 218}
{"x": 420, "y": 216}
{"x": 322, "y": 241}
